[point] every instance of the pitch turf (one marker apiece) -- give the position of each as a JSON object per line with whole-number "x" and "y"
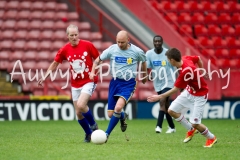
{"x": 58, "y": 140}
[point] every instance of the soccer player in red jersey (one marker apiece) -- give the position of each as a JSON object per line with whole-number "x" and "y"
{"x": 194, "y": 96}
{"x": 80, "y": 54}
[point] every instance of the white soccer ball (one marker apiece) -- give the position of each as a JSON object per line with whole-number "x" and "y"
{"x": 98, "y": 137}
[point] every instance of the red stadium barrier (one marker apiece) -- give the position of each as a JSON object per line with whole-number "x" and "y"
{"x": 25, "y": 97}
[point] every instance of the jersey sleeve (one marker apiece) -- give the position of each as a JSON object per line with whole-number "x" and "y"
{"x": 194, "y": 59}
{"x": 60, "y": 56}
{"x": 148, "y": 60}
{"x": 180, "y": 82}
{"x": 105, "y": 54}
{"x": 94, "y": 52}
{"x": 142, "y": 56}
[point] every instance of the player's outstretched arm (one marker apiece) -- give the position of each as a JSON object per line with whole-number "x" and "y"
{"x": 200, "y": 65}
{"x": 144, "y": 71}
{"x": 52, "y": 67}
{"x": 155, "y": 98}
{"x": 96, "y": 62}
{"x": 200, "y": 62}
{"x": 149, "y": 74}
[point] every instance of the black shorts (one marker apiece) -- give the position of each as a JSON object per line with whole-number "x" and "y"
{"x": 163, "y": 91}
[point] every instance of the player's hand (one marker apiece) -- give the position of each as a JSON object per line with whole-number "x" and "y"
{"x": 97, "y": 73}
{"x": 154, "y": 98}
{"x": 91, "y": 76}
{"x": 40, "y": 82}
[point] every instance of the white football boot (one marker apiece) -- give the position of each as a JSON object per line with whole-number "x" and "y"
{"x": 158, "y": 129}
{"x": 171, "y": 130}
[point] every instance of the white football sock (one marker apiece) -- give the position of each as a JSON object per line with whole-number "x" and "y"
{"x": 184, "y": 122}
{"x": 207, "y": 134}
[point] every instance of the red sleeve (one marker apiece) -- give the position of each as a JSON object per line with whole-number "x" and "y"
{"x": 60, "y": 56}
{"x": 94, "y": 51}
{"x": 180, "y": 82}
{"x": 194, "y": 59}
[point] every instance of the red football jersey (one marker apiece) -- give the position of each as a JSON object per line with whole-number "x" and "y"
{"x": 81, "y": 58}
{"x": 188, "y": 77}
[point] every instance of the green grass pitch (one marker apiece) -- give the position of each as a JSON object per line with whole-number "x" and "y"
{"x": 63, "y": 140}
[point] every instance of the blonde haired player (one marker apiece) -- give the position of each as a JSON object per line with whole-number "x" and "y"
{"x": 80, "y": 54}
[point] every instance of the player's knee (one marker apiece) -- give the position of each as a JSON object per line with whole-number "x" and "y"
{"x": 163, "y": 108}
{"x": 79, "y": 115}
{"x": 171, "y": 112}
{"x": 118, "y": 109}
{"x": 80, "y": 106}
{"x": 162, "y": 104}
{"x": 195, "y": 125}
{"x": 110, "y": 114}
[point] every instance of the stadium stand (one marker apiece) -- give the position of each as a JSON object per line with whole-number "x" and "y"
{"x": 214, "y": 23}
{"x": 32, "y": 32}
{"x": 210, "y": 27}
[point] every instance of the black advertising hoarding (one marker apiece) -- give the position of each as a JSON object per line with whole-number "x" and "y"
{"x": 54, "y": 110}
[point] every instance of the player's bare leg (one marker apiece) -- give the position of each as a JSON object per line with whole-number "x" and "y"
{"x": 116, "y": 115}
{"x": 84, "y": 115}
{"x": 185, "y": 123}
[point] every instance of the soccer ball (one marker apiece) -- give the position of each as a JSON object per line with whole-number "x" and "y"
{"x": 98, "y": 137}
